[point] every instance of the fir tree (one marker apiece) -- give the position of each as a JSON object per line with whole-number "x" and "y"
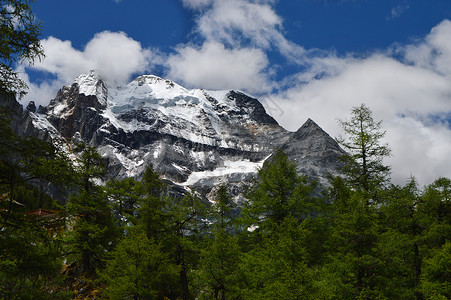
{"x": 93, "y": 232}
{"x": 364, "y": 164}
{"x": 20, "y": 41}
{"x": 220, "y": 254}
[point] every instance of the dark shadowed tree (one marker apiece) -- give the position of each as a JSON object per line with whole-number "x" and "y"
{"x": 93, "y": 232}
{"x": 19, "y": 42}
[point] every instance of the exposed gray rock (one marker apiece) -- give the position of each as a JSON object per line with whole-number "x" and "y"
{"x": 31, "y": 107}
{"x": 314, "y": 152}
{"x": 180, "y": 132}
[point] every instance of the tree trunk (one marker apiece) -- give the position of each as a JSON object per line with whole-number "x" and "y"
{"x": 183, "y": 277}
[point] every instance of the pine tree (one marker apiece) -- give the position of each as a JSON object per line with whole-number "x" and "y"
{"x": 30, "y": 259}
{"x": 29, "y": 252}
{"x": 124, "y": 197}
{"x": 176, "y": 224}
{"x": 279, "y": 192}
{"x": 355, "y": 266}
{"x": 220, "y": 253}
{"x": 276, "y": 267}
{"x": 401, "y": 241}
{"x": 20, "y": 41}
{"x": 93, "y": 232}
{"x": 138, "y": 268}
{"x": 436, "y": 277}
{"x": 364, "y": 164}
{"x": 436, "y": 222}
{"x": 282, "y": 212}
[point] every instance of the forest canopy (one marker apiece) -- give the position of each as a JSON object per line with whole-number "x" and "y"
{"x": 359, "y": 237}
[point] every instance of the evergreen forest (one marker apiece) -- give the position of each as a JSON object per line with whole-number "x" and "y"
{"x": 68, "y": 232}
{"x": 359, "y": 237}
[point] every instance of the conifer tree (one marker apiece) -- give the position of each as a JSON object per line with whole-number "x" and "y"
{"x": 138, "y": 268}
{"x": 355, "y": 266}
{"x": 93, "y": 232}
{"x": 220, "y": 254}
{"x": 29, "y": 254}
{"x": 364, "y": 166}
{"x": 175, "y": 223}
{"x": 124, "y": 197}
{"x": 279, "y": 192}
{"x": 20, "y": 32}
{"x": 436, "y": 276}
{"x": 401, "y": 241}
{"x": 278, "y": 230}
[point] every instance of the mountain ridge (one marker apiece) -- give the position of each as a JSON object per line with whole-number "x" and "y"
{"x": 192, "y": 137}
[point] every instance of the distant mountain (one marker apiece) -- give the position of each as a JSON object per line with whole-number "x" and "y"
{"x": 195, "y": 137}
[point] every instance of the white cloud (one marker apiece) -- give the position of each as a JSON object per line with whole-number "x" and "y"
{"x": 233, "y": 21}
{"x": 196, "y": 4}
{"x": 113, "y": 54}
{"x": 408, "y": 96}
{"x": 398, "y": 10}
{"x": 243, "y": 23}
{"x": 41, "y": 93}
{"x": 435, "y": 52}
{"x": 213, "y": 66}
{"x": 235, "y": 35}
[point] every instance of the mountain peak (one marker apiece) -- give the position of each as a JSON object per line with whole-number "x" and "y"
{"x": 90, "y": 84}
{"x": 310, "y": 129}
{"x": 313, "y": 150}
{"x": 182, "y": 131}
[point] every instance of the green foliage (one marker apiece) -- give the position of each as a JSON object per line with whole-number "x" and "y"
{"x": 133, "y": 239}
{"x": 285, "y": 228}
{"x": 364, "y": 164}
{"x": 138, "y": 268}
{"x": 276, "y": 268}
{"x": 93, "y": 232}
{"x": 355, "y": 261}
{"x": 124, "y": 197}
{"x": 30, "y": 260}
{"x": 279, "y": 192}
{"x": 220, "y": 253}
{"x": 173, "y": 225}
{"x": 26, "y": 166}
{"x": 436, "y": 277}
{"x": 20, "y": 42}
{"x": 29, "y": 255}
{"x": 186, "y": 225}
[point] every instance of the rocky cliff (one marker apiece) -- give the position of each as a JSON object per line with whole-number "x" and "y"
{"x": 192, "y": 137}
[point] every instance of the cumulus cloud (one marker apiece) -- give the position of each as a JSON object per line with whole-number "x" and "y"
{"x": 435, "y": 52}
{"x": 410, "y": 96}
{"x": 235, "y": 36}
{"x": 215, "y": 67}
{"x": 240, "y": 23}
{"x": 113, "y": 54}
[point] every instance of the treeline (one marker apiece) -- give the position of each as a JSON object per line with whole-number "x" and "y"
{"x": 359, "y": 238}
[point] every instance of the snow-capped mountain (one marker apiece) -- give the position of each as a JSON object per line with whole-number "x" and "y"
{"x": 192, "y": 137}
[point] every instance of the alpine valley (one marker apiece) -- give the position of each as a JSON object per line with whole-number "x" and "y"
{"x": 193, "y": 138}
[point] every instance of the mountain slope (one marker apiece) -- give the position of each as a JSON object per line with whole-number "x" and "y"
{"x": 191, "y": 137}
{"x": 313, "y": 151}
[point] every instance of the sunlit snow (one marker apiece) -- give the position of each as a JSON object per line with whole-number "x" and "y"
{"x": 230, "y": 167}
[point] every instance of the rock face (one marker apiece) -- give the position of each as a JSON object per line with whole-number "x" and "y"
{"x": 314, "y": 152}
{"x": 192, "y": 137}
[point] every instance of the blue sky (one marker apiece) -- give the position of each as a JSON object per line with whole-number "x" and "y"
{"x": 301, "y": 58}
{"x": 344, "y": 26}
